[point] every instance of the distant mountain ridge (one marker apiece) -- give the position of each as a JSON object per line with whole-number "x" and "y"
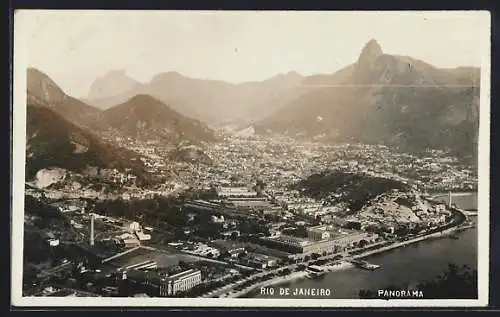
{"x": 111, "y": 84}
{"x": 213, "y": 101}
{"x": 390, "y": 99}
{"x": 380, "y": 98}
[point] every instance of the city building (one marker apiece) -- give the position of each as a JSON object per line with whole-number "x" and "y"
{"x": 128, "y": 240}
{"x": 54, "y": 242}
{"x": 228, "y": 192}
{"x": 260, "y": 261}
{"x": 205, "y": 250}
{"x": 161, "y": 283}
{"x": 216, "y": 219}
{"x": 142, "y": 236}
{"x": 234, "y": 253}
{"x": 319, "y": 232}
{"x": 320, "y": 240}
{"x": 180, "y": 282}
{"x": 285, "y": 243}
{"x": 133, "y": 227}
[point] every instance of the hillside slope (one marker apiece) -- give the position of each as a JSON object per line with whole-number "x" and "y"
{"x": 41, "y": 89}
{"x": 52, "y": 141}
{"x": 146, "y": 118}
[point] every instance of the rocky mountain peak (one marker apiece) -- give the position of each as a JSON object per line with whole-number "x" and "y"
{"x": 371, "y": 51}
{"x": 113, "y": 83}
{"x": 366, "y": 61}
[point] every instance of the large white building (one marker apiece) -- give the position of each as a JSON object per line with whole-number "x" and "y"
{"x": 133, "y": 227}
{"x": 180, "y": 282}
{"x": 342, "y": 238}
{"x": 160, "y": 283}
{"x": 142, "y": 236}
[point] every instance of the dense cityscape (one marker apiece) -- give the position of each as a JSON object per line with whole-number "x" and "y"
{"x": 245, "y": 212}
{"x": 213, "y": 155}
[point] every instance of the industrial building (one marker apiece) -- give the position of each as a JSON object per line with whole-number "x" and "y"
{"x": 228, "y": 192}
{"x": 320, "y": 239}
{"x": 127, "y": 240}
{"x": 260, "y": 261}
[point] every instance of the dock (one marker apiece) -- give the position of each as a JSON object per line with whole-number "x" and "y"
{"x": 315, "y": 271}
{"x": 365, "y": 265}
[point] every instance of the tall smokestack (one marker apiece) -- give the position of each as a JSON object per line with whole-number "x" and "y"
{"x": 92, "y": 229}
{"x": 449, "y": 199}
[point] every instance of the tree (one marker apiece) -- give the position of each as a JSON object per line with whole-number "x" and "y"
{"x": 234, "y": 235}
{"x": 259, "y": 187}
{"x": 362, "y": 243}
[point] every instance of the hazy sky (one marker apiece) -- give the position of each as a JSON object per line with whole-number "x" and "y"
{"x": 76, "y": 47}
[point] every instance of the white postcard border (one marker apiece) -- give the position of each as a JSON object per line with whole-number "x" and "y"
{"x": 17, "y": 215}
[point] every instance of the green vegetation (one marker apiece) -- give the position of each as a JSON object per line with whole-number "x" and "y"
{"x": 158, "y": 209}
{"x": 355, "y": 189}
{"x": 52, "y": 143}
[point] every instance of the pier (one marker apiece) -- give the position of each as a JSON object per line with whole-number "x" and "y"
{"x": 315, "y": 271}
{"x": 365, "y": 265}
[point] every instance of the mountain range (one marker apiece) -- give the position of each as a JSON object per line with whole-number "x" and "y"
{"x": 389, "y": 99}
{"x": 211, "y": 101}
{"x": 63, "y": 131}
{"x": 380, "y": 98}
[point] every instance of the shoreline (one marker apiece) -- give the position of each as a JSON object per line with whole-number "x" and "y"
{"x": 294, "y": 275}
{"x": 284, "y": 279}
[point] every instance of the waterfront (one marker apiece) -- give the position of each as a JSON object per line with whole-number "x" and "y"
{"x": 466, "y": 201}
{"x": 407, "y": 265}
{"x": 399, "y": 267}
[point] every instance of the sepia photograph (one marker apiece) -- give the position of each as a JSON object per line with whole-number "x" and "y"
{"x": 250, "y": 158}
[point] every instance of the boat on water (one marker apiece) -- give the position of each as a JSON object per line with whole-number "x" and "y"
{"x": 315, "y": 272}
{"x": 365, "y": 265}
{"x": 453, "y": 237}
